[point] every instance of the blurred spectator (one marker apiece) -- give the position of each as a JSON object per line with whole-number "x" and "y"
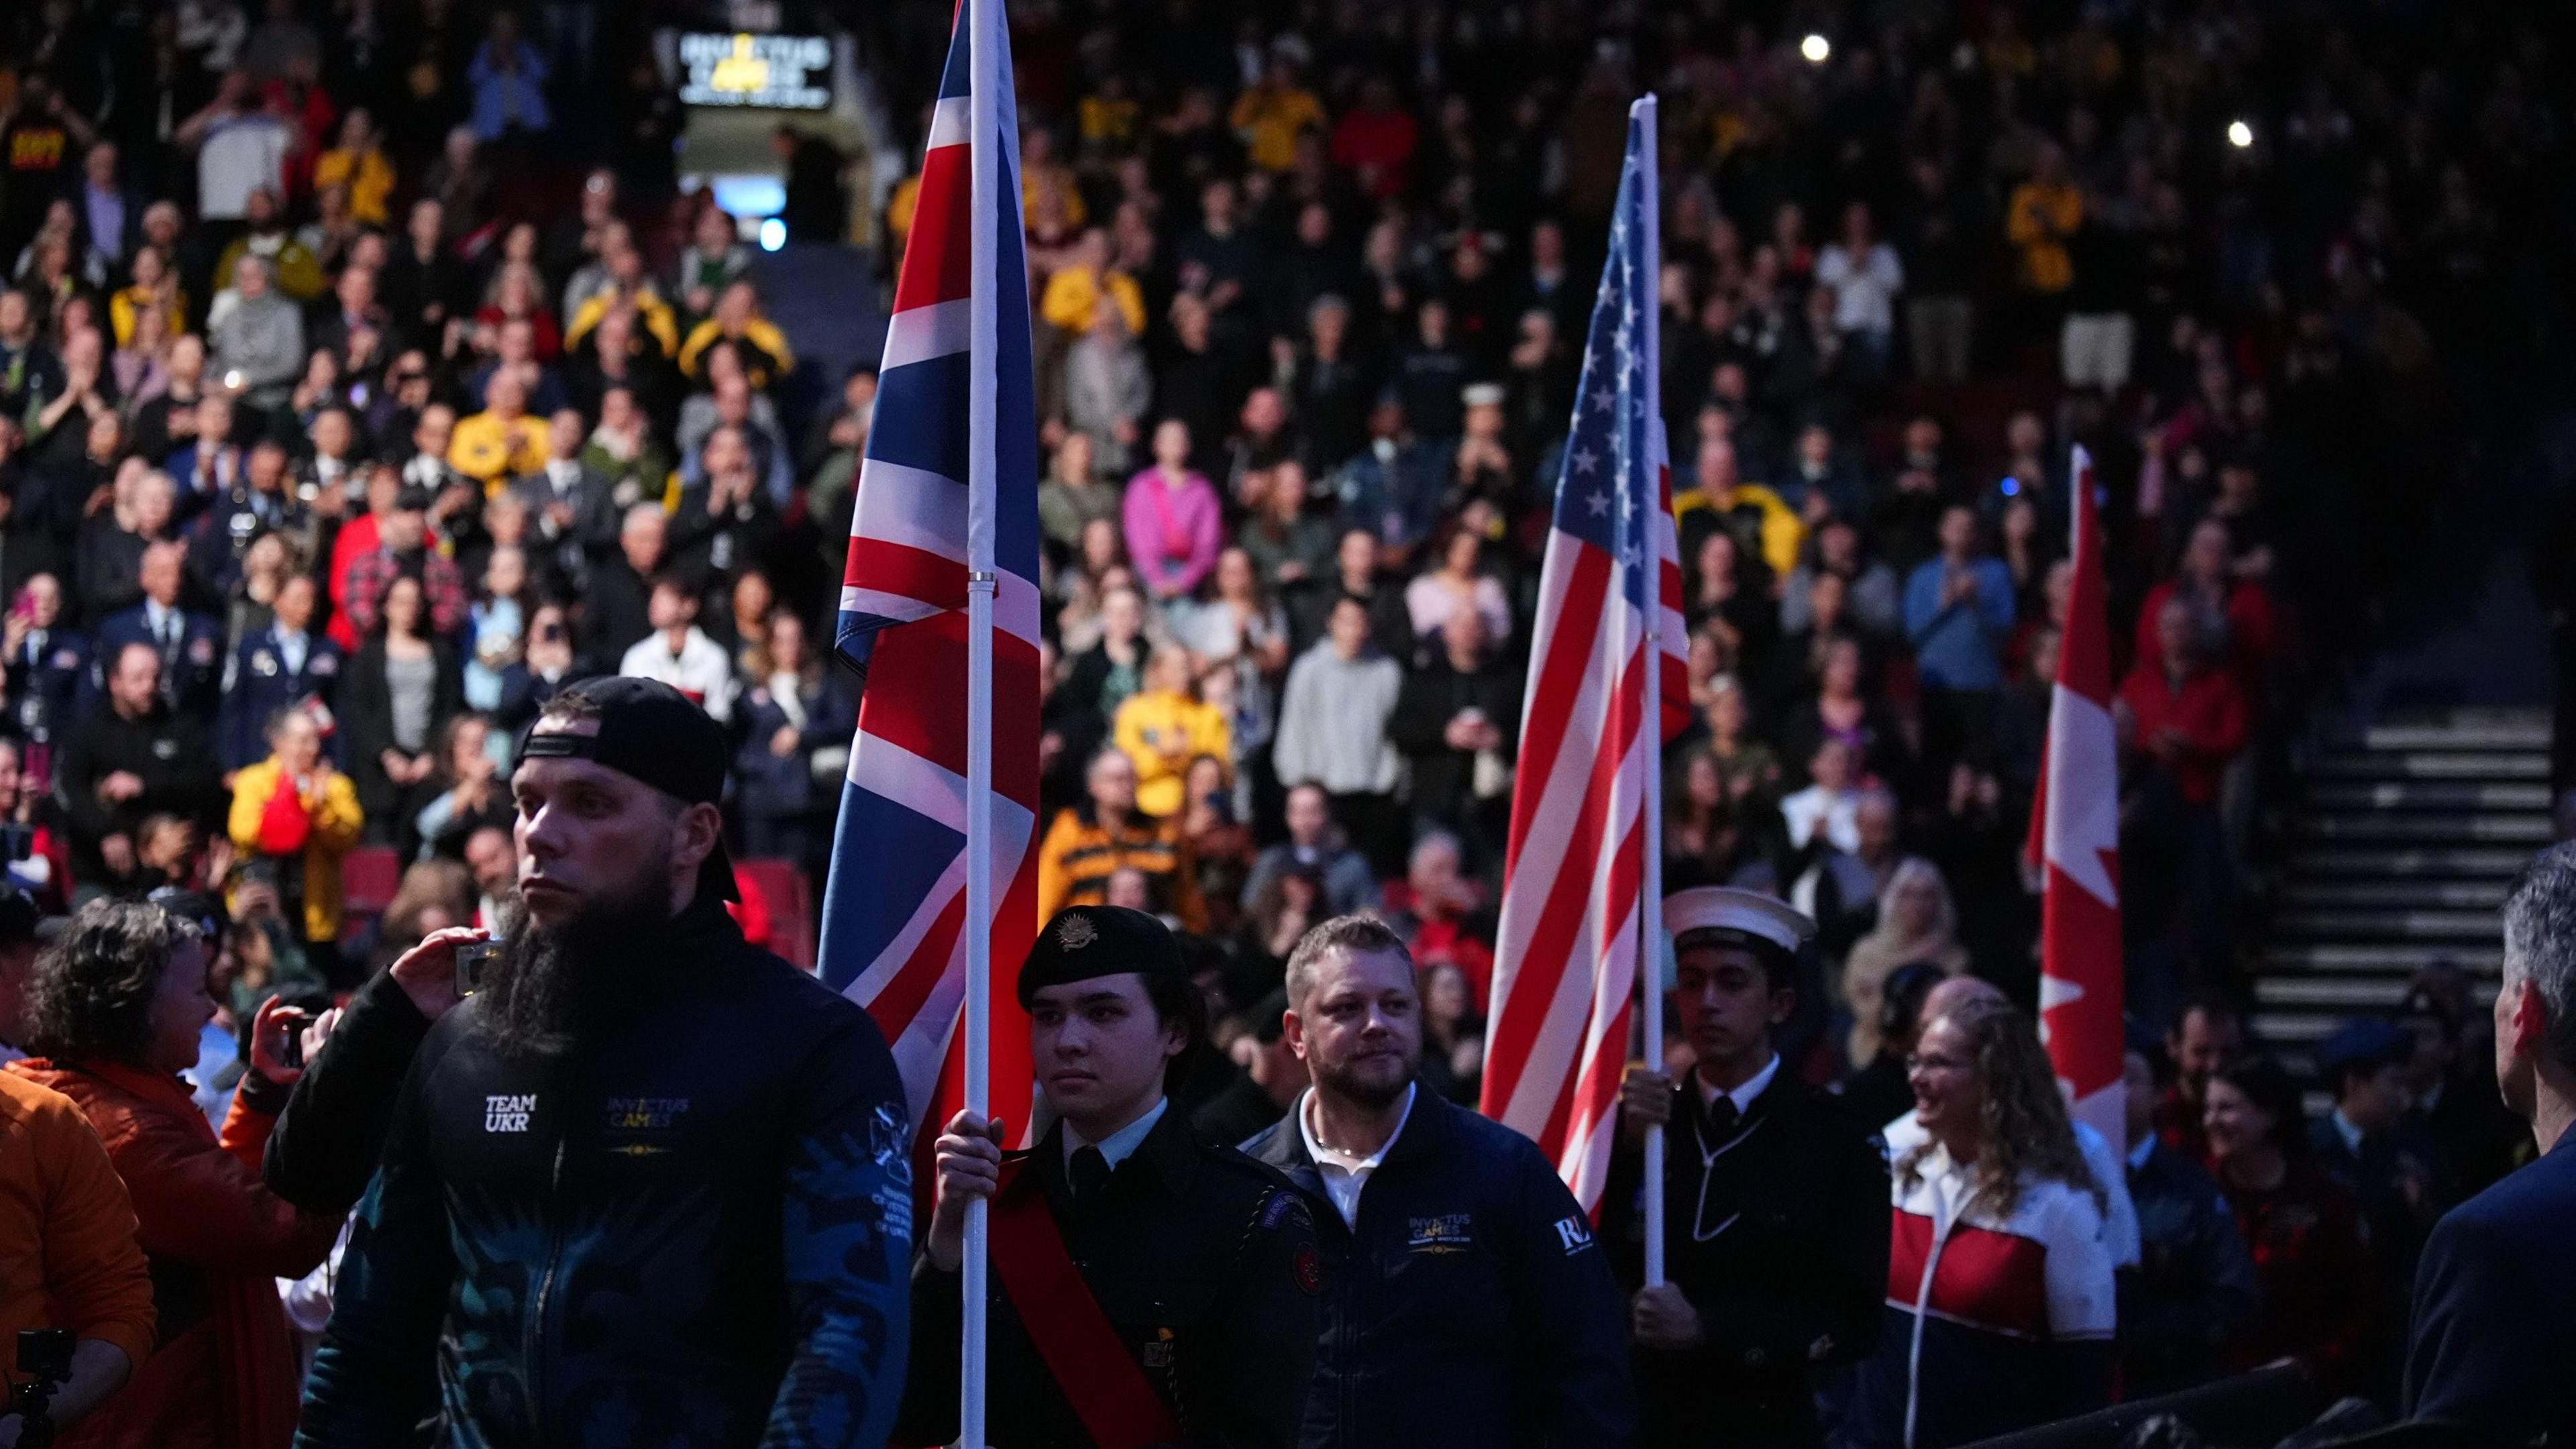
{"x": 476, "y": 789}
{"x": 255, "y": 336}
{"x": 402, "y": 683}
{"x": 2374, "y": 1147}
{"x": 134, "y": 758}
{"x": 1163, "y": 727}
{"x": 1917, "y": 925}
{"x": 1093, "y": 841}
{"x": 1440, "y": 912}
{"x": 2317, "y": 1276}
{"x": 1316, "y": 845}
{"x": 1172, "y": 517}
{"x": 1457, "y": 720}
{"x": 293, "y": 817}
{"x": 1958, "y": 609}
{"x": 2193, "y": 1290}
{"x": 1333, "y": 720}
{"x": 678, "y": 652}
{"x": 798, "y": 715}
{"x": 2451, "y": 1079}
{"x": 280, "y": 665}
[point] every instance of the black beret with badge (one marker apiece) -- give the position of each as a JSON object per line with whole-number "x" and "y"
{"x": 1082, "y": 942}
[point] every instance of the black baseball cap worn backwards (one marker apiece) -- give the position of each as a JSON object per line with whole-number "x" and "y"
{"x": 650, "y": 732}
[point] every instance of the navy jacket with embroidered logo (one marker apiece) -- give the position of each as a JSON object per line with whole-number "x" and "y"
{"x": 693, "y": 1230}
{"x": 1471, "y": 1307}
{"x": 262, "y": 684}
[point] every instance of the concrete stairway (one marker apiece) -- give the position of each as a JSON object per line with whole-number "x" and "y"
{"x": 2408, "y": 838}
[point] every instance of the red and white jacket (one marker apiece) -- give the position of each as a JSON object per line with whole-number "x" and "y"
{"x": 1996, "y": 1321}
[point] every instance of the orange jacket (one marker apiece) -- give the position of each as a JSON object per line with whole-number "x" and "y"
{"x": 67, "y": 1252}
{"x": 223, "y": 1373}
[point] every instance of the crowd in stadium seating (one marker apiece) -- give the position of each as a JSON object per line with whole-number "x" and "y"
{"x": 343, "y": 420}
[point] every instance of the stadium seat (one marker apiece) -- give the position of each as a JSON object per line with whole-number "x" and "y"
{"x": 369, "y": 876}
{"x": 784, "y": 889}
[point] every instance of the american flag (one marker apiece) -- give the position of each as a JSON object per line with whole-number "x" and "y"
{"x": 949, "y": 484}
{"x": 1606, "y": 688}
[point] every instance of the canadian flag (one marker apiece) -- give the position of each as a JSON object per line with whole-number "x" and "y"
{"x": 2075, "y": 839}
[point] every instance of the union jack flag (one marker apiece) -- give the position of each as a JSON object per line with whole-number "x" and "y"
{"x": 1606, "y": 688}
{"x": 948, "y": 486}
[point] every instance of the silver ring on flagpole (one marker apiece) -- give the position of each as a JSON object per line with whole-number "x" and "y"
{"x": 982, "y": 576}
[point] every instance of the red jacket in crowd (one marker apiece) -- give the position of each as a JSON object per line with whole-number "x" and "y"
{"x": 223, "y": 1375}
{"x": 2205, "y": 707}
{"x": 2253, "y": 630}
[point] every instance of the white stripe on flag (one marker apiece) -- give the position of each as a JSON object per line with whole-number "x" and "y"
{"x": 918, "y": 334}
{"x": 911, "y": 506}
{"x": 952, "y": 122}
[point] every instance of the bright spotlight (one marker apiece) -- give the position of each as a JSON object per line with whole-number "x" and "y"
{"x": 1816, "y": 49}
{"x": 2240, "y": 135}
{"x": 773, "y": 234}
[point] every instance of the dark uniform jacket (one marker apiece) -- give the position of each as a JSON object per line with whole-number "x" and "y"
{"x": 690, "y": 1230}
{"x": 2193, "y": 1289}
{"x": 1776, "y": 1230}
{"x": 1204, "y": 1263}
{"x": 192, "y": 657}
{"x": 262, "y": 685}
{"x": 1471, "y": 1307}
{"x": 165, "y": 748}
{"x": 49, "y": 684}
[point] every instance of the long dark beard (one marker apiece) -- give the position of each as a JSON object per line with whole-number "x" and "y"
{"x": 550, "y": 990}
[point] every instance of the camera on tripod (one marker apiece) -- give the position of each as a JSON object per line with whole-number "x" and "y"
{"x": 45, "y": 1357}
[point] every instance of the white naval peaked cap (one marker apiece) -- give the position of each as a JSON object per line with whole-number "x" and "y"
{"x": 1737, "y": 918}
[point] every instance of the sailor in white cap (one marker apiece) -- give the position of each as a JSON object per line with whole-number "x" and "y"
{"x": 1776, "y": 1199}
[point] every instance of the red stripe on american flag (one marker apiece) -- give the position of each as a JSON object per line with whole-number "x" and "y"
{"x": 1568, "y": 653}
{"x": 1568, "y": 896}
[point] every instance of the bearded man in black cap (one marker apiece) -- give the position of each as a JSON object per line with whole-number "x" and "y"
{"x": 1147, "y": 1286}
{"x": 1775, "y": 1196}
{"x": 649, "y": 1183}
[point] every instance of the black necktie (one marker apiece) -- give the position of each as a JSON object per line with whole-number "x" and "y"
{"x": 1088, "y": 1174}
{"x": 1723, "y": 1118}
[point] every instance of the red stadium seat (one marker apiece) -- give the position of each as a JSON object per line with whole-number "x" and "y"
{"x": 369, "y": 876}
{"x": 790, "y": 899}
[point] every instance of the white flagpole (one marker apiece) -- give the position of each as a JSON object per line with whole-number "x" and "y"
{"x": 1650, "y": 903}
{"x": 988, "y": 74}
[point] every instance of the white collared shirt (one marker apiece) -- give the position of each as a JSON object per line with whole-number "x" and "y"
{"x": 292, "y": 645}
{"x": 2344, "y": 1129}
{"x": 1742, "y": 1096}
{"x": 1120, "y": 1145}
{"x": 1343, "y": 1174}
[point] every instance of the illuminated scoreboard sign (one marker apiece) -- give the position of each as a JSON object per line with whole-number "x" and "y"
{"x": 773, "y": 72}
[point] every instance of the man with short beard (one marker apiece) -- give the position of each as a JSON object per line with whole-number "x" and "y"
{"x": 648, "y": 1181}
{"x": 1467, "y": 1302}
